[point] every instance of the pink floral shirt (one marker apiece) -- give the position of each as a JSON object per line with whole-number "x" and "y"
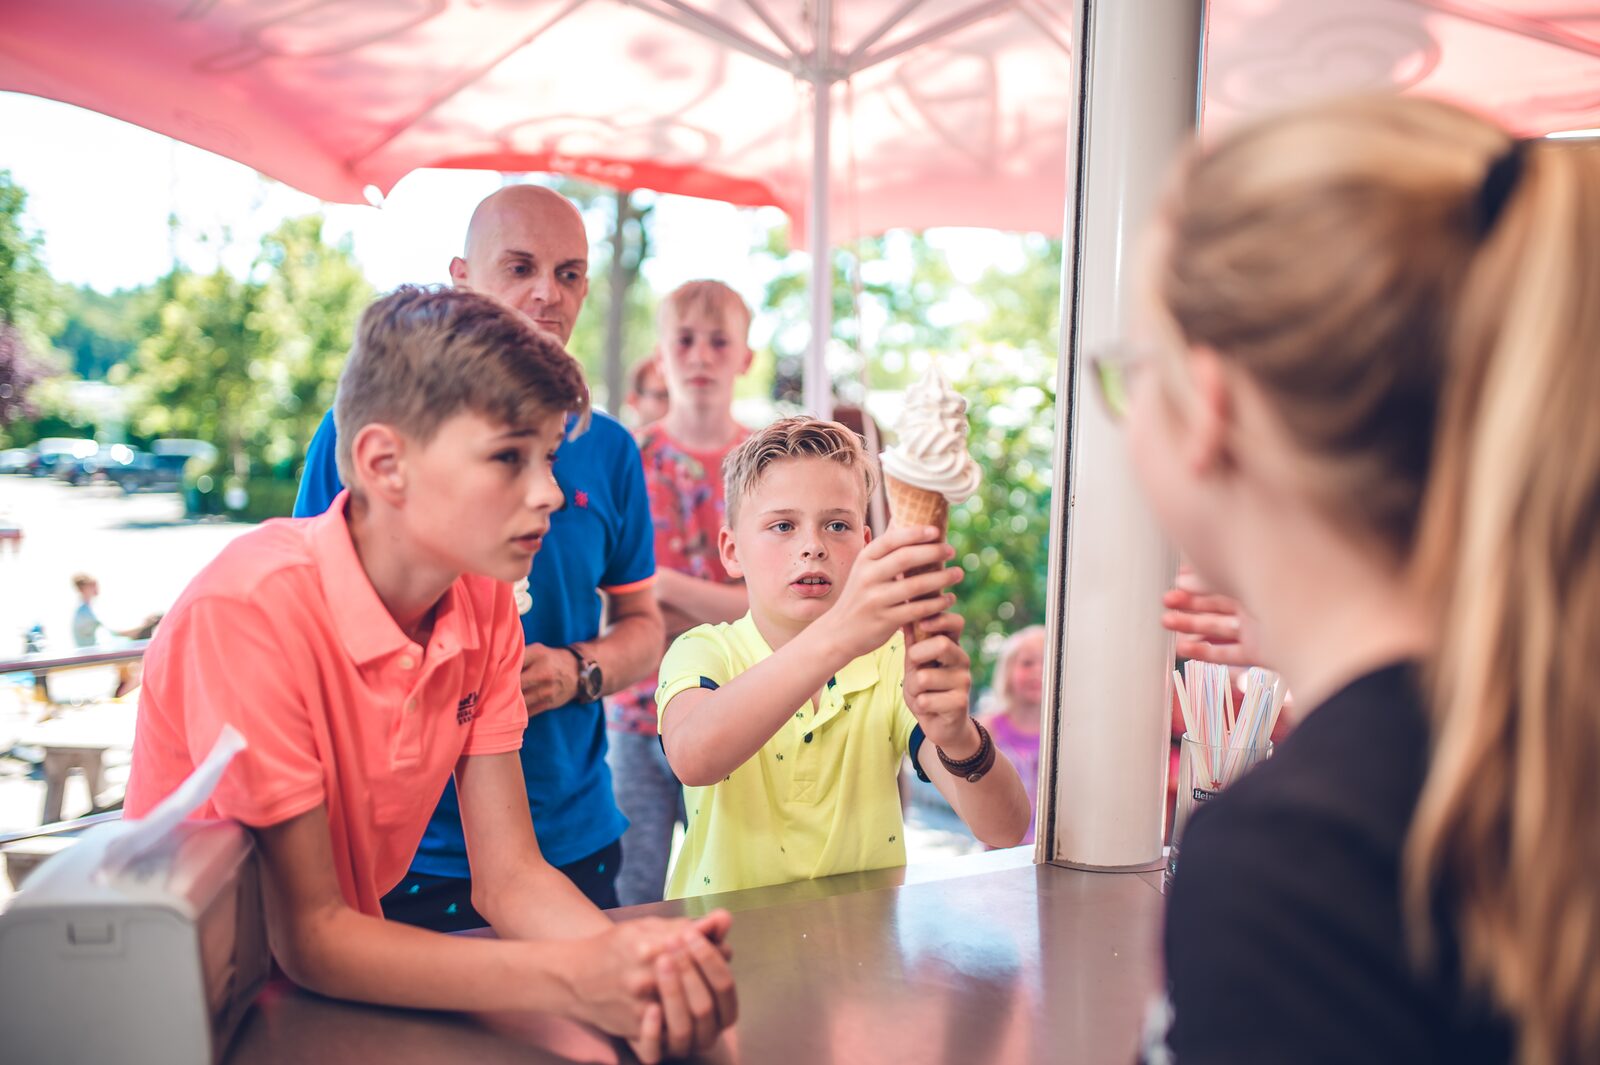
{"x": 687, "y": 507}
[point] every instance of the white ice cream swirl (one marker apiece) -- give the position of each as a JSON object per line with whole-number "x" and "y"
{"x": 932, "y": 452}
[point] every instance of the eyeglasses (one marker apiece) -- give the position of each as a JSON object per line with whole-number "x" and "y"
{"x": 1115, "y": 367}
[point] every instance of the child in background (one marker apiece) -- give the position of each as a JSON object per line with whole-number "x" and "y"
{"x": 788, "y": 726}
{"x": 859, "y": 421}
{"x": 369, "y": 653}
{"x": 86, "y": 624}
{"x": 86, "y": 627}
{"x": 701, "y": 352}
{"x": 1013, "y": 710}
{"x": 647, "y": 391}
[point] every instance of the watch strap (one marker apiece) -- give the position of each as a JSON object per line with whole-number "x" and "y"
{"x": 588, "y": 674}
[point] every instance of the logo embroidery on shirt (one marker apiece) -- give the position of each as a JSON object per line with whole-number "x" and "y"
{"x": 467, "y": 709}
{"x": 581, "y": 498}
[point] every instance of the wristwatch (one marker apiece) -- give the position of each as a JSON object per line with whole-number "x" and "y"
{"x": 589, "y": 678}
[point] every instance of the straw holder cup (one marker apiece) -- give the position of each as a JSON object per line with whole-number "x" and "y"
{"x": 1204, "y": 769}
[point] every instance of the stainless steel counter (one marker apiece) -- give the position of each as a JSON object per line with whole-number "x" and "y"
{"x": 976, "y": 960}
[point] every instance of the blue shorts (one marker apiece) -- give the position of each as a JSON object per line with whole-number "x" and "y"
{"x": 444, "y": 903}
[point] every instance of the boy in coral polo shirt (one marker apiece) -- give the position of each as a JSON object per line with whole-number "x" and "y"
{"x": 369, "y": 654}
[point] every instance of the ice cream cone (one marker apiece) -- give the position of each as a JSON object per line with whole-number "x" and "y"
{"x": 910, "y": 505}
{"x": 929, "y": 468}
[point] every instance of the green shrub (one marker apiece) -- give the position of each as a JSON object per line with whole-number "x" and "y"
{"x": 269, "y": 497}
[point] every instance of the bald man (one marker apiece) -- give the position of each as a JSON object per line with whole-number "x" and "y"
{"x": 526, "y": 246}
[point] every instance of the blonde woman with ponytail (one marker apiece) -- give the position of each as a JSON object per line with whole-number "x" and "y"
{"x": 1364, "y": 401}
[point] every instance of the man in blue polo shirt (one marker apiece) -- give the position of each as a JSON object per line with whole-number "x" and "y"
{"x": 526, "y": 246}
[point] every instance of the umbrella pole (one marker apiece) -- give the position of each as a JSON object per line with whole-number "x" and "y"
{"x": 816, "y": 385}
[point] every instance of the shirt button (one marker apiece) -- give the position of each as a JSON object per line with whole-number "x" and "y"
{"x": 808, "y": 737}
{"x": 411, "y": 706}
{"x": 406, "y": 662}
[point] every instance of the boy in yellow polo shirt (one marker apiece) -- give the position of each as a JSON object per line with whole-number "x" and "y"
{"x": 788, "y": 735}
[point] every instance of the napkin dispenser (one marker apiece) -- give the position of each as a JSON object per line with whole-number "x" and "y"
{"x": 154, "y": 961}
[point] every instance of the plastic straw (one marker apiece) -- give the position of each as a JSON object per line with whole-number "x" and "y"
{"x": 1227, "y": 688}
{"x": 1183, "y": 702}
{"x": 1225, "y": 735}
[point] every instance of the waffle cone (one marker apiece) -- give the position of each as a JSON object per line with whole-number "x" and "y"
{"x": 910, "y": 505}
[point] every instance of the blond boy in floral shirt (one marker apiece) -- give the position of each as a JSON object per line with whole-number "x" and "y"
{"x": 702, "y": 350}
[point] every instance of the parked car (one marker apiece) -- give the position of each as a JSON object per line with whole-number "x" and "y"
{"x": 178, "y": 445}
{"x": 97, "y": 467}
{"x": 79, "y": 466}
{"x": 16, "y": 460}
{"x": 53, "y": 449}
{"x": 145, "y": 472}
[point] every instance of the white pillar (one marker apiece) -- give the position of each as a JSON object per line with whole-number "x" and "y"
{"x": 816, "y": 386}
{"x": 1137, "y": 66}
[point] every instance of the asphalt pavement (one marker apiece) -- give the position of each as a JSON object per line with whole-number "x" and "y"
{"x": 142, "y": 551}
{"x": 140, "y": 548}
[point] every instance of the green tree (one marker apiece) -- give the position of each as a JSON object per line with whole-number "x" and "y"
{"x": 900, "y": 276}
{"x": 1001, "y": 535}
{"x": 312, "y": 295}
{"x": 24, "y": 284}
{"x": 28, "y": 309}
{"x": 1024, "y": 306}
{"x": 250, "y": 364}
{"x": 204, "y": 373}
{"x": 1001, "y": 358}
{"x": 99, "y": 331}
{"x": 606, "y": 339}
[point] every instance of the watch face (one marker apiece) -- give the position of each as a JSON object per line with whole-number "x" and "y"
{"x": 589, "y": 682}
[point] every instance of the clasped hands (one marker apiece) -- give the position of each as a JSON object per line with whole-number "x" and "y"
{"x": 663, "y": 984}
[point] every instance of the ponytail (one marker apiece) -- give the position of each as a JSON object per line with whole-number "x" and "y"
{"x": 1505, "y": 845}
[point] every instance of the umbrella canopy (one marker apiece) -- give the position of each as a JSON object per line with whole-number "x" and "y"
{"x": 944, "y": 112}
{"x": 1533, "y": 64}
{"x": 852, "y": 115}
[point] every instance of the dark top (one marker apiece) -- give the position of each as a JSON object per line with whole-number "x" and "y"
{"x": 1283, "y": 937}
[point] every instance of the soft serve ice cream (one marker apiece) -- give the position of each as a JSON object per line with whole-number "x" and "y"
{"x": 928, "y": 471}
{"x": 931, "y": 454}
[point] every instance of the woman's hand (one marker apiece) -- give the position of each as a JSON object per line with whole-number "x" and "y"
{"x": 1210, "y": 627}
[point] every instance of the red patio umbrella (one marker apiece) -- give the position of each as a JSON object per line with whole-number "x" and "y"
{"x": 851, "y": 115}
{"x": 913, "y": 113}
